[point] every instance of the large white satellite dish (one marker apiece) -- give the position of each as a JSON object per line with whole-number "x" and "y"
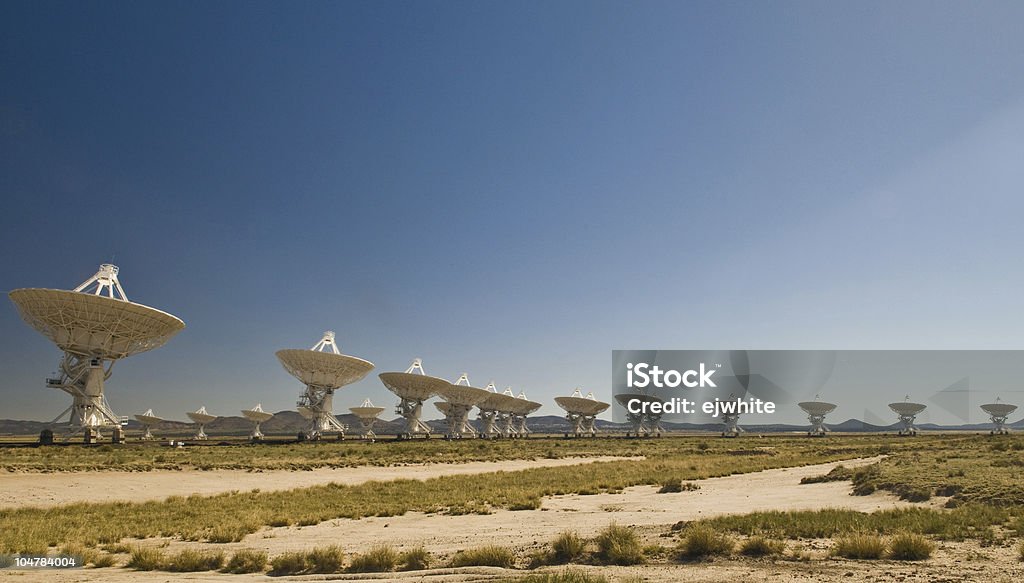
{"x": 148, "y": 420}
{"x": 581, "y": 412}
{"x": 200, "y": 417}
{"x": 323, "y": 369}
{"x": 907, "y": 413}
{"x": 816, "y": 411}
{"x": 998, "y": 412}
{"x": 95, "y": 325}
{"x": 258, "y": 416}
{"x": 460, "y": 398}
{"x": 413, "y": 387}
{"x": 520, "y": 408}
{"x": 367, "y": 414}
{"x": 645, "y": 422}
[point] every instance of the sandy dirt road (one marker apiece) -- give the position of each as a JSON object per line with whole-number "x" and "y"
{"x": 19, "y": 490}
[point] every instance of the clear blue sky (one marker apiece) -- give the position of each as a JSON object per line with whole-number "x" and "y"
{"x": 511, "y": 189}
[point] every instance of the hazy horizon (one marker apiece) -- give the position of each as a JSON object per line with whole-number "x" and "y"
{"x": 511, "y": 190}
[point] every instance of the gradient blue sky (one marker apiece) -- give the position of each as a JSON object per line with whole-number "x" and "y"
{"x": 511, "y": 189}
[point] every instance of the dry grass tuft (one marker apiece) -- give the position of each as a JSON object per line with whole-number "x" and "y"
{"x": 860, "y": 546}
{"x": 618, "y": 545}
{"x": 703, "y": 541}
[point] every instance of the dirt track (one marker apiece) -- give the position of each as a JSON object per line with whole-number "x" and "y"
{"x": 19, "y": 490}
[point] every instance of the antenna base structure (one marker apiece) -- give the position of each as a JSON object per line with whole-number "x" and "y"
{"x": 94, "y": 325}
{"x": 489, "y": 414}
{"x": 908, "y": 428}
{"x": 818, "y": 428}
{"x": 999, "y": 426}
{"x": 488, "y": 424}
{"x": 732, "y": 427}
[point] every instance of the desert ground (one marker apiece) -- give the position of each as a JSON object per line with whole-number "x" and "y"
{"x": 659, "y": 520}
{"x": 20, "y": 489}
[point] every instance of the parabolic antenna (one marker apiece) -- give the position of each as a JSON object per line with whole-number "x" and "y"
{"x": 577, "y": 403}
{"x": 816, "y": 411}
{"x": 258, "y": 416}
{"x": 461, "y": 397}
{"x": 490, "y": 409}
{"x": 998, "y": 412}
{"x": 413, "y": 387}
{"x": 520, "y": 408}
{"x": 200, "y": 417}
{"x": 522, "y": 405}
{"x": 367, "y": 415}
{"x": 907, "y": 412}
{"x": 581, "y": 411}
{"x": 95, "y": 325}
{"x": 148, "y": 420}
{"x": 323, "y": 369}
{"x": 644, "y": 422}
{"x": 498, "y": 401}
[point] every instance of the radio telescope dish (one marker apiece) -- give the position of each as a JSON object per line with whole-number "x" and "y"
{"x": 323, "y": 369}
{"x": 461, "y": 397}
{"x": 816, "y": 411}
{"x": 907, "y": 413}
{"x": 95, "y": 325}
{"x": 645, "y": 422}
{"x": 148, "y": 420}
{"x": 258, "y": 416}
{"x": 200, "y": 417}
{"x": 520, "y": 408}
{"x": 413, "y": 387}
{"x": 490, "y": 410}
{"x": 998, "y": 412}
{"x": 581, "y": 412}
{"x": 367, "y": 415}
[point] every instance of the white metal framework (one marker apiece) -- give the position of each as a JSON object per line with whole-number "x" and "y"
{"x": 95, "y": 325}
{"x": 323, "y": 369}
{"x": 258, "y": 417}
{"x": 367, "y": 414}
{"x": 520, "y": 409}
{"x": 489, "y": 411}
{"x": 200, "y": 417}
{"x": 732, "y": 427}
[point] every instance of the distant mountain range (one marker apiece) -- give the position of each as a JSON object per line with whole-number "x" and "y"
{"x": 291, "y": 423}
